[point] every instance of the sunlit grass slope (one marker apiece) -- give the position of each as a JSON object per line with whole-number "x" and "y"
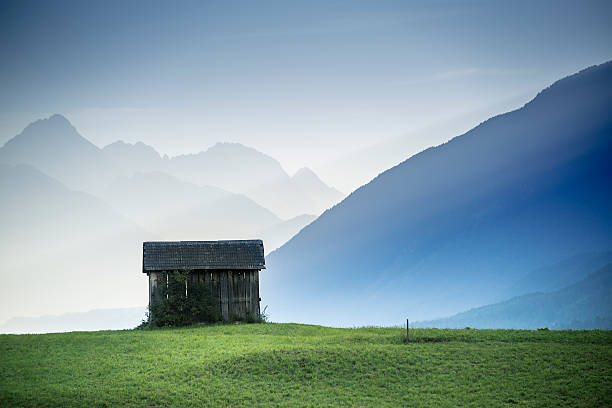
{"x": 298, "y": 365}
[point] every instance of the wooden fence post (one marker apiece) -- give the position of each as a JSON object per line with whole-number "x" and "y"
{"x": 407, "y": 330}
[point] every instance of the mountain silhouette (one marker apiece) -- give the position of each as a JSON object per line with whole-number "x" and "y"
{"x": 559, "y": 275}
{"x": 55, "y": 147}
{"x": 303, "y": 193}
{"x": 583, "y": 305}
{"x": 453, "y": 226}
{"x": 230, "y": 166}
{"x": 131, "y": 158}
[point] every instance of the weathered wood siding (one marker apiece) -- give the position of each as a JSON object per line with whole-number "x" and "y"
{"x": 235, "y": 293}
{"x": 238, "y": 294}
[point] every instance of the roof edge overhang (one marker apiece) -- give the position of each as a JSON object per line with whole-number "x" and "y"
{"x": 222, "y": 241}
{"x": 210, "y": 268}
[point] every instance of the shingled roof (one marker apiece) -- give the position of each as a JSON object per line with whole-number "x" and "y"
{"x": 191, "y": 255}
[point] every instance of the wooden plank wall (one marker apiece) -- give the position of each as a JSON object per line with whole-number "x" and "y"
{"x": 255, "y": 292}
{"x": 237, "y": 292}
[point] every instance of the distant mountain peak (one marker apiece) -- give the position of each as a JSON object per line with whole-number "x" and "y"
{"x": 306, "y": 172}
{"x": 233, "y": 147}
{"x": 306, "y": 176}
{"x": 54, "y": 122}
{"x": 120, "y": 145}
{"x": 56, "y": 129}
{"x": 227, "y": 144}
{"x": 56, "y": 117}
{"x": 55, "y": 147}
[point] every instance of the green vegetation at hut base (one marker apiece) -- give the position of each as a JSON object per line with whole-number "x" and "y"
{"x": 298, "y": 365}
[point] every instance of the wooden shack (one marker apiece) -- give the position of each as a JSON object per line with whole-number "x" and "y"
{"x": 230, "y": 269}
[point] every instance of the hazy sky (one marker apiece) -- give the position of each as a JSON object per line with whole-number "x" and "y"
{"x": 302, "y": 81}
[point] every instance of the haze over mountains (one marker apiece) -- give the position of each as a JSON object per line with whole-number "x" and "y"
{"x": 586, "y": 304}
{"x": 303, "y": 193}
{"x": 61, "y": 249}
{"x": 357, "y": 168}
{"x": 55, "y": 147}
{"x": 74, "y": 216}
{"x": 514, "y": 214}
{"x": 454, "y": 226}
{"x": 173, "y": 208}
{"x": 559, "y": 275}
{"x": 239, "y": 169}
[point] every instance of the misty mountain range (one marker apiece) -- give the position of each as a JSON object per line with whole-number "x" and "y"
{"x": 514, "y": 214}
{"x": 55, "y": 147}
{"x": 148, "y": 188}
{"x": 74, "y": 216}
{"x": 586, "y": 304}
{"x": 453, "y": 227}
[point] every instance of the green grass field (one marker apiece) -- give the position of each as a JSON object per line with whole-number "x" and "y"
{"x": 298, "y": 365}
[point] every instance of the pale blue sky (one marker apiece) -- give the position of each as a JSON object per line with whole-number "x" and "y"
{"x": 303, "y": 81}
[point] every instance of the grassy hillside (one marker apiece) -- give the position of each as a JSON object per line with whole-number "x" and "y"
{"x": 298, "y": 365}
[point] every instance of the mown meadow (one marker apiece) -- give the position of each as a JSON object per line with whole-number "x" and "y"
{"x": 300, "y": 365}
